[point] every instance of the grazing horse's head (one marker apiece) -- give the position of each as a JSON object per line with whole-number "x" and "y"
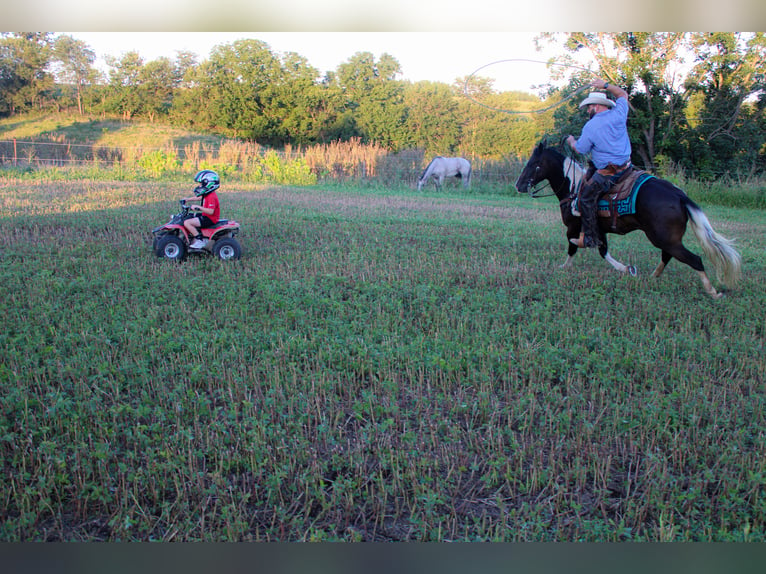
{"x": 534, "y": 171}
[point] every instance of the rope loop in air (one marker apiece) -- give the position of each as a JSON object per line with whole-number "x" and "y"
{"x": 540, "y": 111}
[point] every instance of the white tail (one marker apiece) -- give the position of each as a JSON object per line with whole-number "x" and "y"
{"x": 720, "y": 250}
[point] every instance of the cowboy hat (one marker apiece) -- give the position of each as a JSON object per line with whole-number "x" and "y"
{"x": 597, "y": 98}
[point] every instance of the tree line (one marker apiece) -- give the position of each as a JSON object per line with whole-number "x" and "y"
{"x": 710, "y": 121}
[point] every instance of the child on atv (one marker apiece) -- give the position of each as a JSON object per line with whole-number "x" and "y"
{"x": 210, "y": 210}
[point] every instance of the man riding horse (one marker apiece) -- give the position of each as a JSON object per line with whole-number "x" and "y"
{"x": 605, "y": 137}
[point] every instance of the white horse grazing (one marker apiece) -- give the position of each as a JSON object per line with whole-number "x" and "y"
{"x": 441, "y": 167}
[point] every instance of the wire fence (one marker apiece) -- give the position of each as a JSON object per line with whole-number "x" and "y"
{"x": 337, "y": 161}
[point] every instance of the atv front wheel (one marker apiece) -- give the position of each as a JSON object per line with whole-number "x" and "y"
{"x": 171, "y": 247}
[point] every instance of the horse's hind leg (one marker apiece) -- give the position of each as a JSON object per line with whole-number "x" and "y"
{"x": 708, "y": 286}
{"x": 694, "y": 261}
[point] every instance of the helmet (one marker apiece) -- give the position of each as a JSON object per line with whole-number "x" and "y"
{"x": 208, "y": 181}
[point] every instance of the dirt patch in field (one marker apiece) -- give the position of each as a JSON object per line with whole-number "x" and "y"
{"x": 324, "y": 201}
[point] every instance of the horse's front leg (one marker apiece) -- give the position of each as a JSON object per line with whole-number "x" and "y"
{"x": 621, "y": 267}
{"x": 573, "y": 231}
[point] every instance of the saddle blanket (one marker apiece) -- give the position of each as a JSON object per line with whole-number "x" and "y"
{"x": 621, "y": 198}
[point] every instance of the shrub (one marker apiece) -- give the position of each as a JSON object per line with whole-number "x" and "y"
{"x": 159, "y": 162}
{"x": 284, "y": 170}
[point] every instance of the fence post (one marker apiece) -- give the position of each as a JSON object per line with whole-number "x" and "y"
{"x": 15, "y": 156}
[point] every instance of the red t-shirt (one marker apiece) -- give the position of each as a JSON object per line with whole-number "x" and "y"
{"x": 211, "y": 200}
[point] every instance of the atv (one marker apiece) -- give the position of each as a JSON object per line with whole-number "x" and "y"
{"x": 172, "y": 241}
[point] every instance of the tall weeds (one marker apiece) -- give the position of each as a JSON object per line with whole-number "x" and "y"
{"x": 339, "y": 162}
{"x": 351, "y": 161}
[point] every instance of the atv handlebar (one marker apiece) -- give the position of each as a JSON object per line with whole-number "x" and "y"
{"x": 188, "y": 207}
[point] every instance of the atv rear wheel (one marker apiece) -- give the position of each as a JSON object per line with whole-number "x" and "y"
{"x": 227, "y": 248}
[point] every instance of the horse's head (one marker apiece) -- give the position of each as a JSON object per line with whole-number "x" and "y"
{"x": 534, "y": 171}
{"x": 423, "y": 179}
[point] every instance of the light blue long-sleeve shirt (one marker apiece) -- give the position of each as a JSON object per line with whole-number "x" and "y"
{"x": 605, "y": 136}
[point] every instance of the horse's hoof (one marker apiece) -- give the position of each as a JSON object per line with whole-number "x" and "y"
{"x": 632, "y": 270}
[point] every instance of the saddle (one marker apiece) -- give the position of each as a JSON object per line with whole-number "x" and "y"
{"x": 620, "y": 199}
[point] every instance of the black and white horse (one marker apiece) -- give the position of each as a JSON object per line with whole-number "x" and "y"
{"x": 662, "y": 211}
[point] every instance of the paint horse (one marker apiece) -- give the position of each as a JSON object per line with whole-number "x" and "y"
{"x": 659, "y": 209}
{"x": 443, "y": 167}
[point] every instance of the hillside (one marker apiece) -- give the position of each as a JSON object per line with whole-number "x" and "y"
{"x": 90, "y": 130}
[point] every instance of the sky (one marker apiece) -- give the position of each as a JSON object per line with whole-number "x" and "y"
{"x": 386, "y": 15}
{"x": 435, "y": 56}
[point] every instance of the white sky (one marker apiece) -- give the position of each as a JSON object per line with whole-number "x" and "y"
{"x": 434, "y": 56}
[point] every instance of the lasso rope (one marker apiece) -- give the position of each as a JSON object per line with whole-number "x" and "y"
{"x": 540, "y": 111}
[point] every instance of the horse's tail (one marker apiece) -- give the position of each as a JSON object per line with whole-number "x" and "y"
{"x": 720, "y": 250}
{"x": 467, "y": 179}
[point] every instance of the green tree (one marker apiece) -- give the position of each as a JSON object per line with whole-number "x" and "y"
{"x": 185, "y": 64}
{"x": 725, "y": 111}
{"x": 642, "y": 63}
{"x": 433, "y": 118}
{"x": 157, "y": 84}
{"x": 375, "y": 97}
{"x": 493, "y": 124}
{"x": 124, "y": 94}
{"x": 297, "y": 106}
{"x": 75, "y": 65}
{"x": 236, "y": 86}
{"x": 245, "y": 90}
{"x": 189, "y": 100}
{"x": 25, "y": 82}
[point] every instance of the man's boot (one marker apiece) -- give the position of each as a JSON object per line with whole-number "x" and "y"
{"x": 588, "y": 204}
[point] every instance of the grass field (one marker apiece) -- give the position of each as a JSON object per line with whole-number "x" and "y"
{"x": 380, "y": 366}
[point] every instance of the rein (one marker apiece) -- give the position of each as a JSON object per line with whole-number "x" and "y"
{"x": 537, "y": 190}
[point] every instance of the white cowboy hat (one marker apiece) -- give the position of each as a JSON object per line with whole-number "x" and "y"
{"x": 597, "y": 98}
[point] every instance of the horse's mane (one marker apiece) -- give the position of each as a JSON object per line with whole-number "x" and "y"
{"x": 570, "y": 168}
{"x": 430, "y": 163}
{"x": 577, "y": 173}
{"x": 543, "y": 147}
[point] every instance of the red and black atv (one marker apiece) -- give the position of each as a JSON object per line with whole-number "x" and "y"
{"x": 172, "y": 240}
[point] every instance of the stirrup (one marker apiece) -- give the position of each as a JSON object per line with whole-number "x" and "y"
{"x": 580, "y": 241}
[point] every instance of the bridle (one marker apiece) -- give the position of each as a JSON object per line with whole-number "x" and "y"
{"x": 568, "y": 173}
{"x": 537, "y": 190}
